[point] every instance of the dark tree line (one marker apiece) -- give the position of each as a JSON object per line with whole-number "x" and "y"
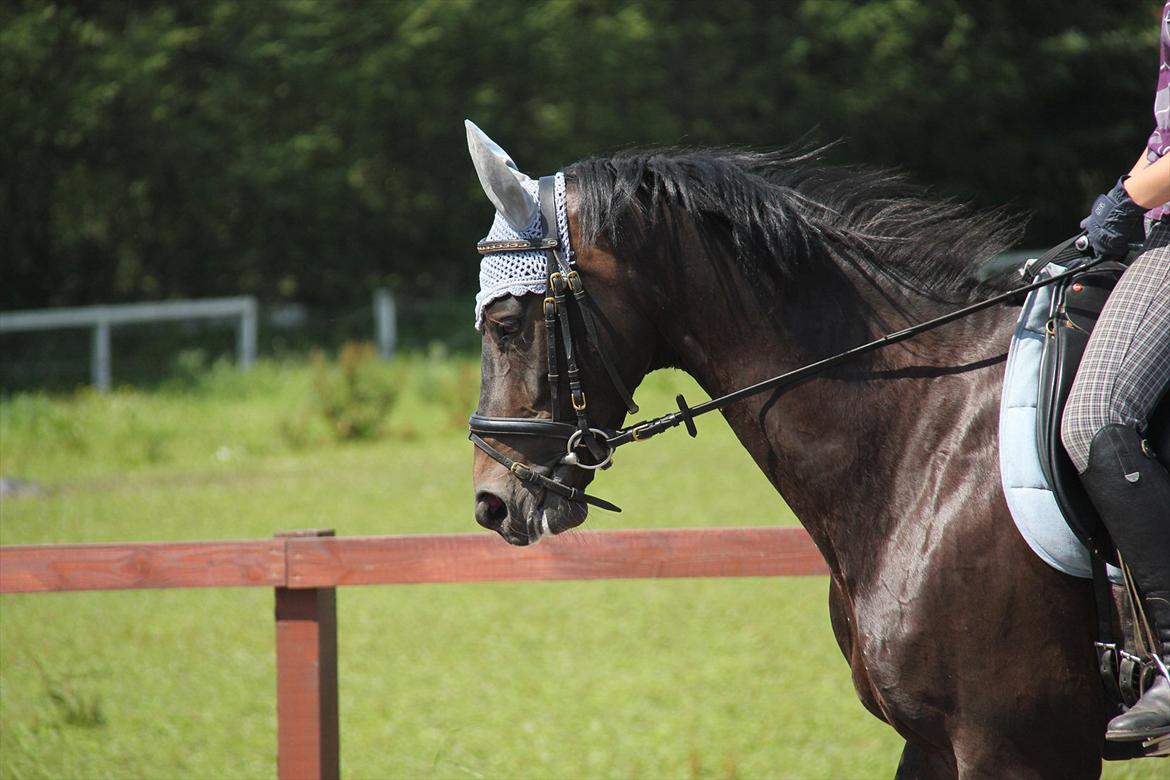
{"x": 305, "y": 150}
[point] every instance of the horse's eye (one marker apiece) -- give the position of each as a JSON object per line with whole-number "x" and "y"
{"x": 507, "y": 328}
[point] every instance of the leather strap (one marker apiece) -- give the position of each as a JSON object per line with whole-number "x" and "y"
{"x": 589, "y": 315}
{"x": 1103, "y": 596}
{"x": 557, "y": 283}
{"x": 521, "y": 426}
{"x": 554, "y": 376}
{"x": 1107, "y": 661}
{"x": 1129, "y": 678}
{"x": 564, "y": 266}
{"x": 526, "y": 473}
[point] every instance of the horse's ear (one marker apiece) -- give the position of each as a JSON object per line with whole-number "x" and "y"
{"x": 500, "y": 178}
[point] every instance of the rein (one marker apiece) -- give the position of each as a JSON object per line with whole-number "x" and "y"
{"x": 583, "y": 439}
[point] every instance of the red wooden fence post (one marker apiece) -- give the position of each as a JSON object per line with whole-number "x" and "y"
{"x": 306, "y": 680}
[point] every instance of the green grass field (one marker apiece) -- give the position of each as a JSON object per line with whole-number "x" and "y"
{"x": 635, "y": 679}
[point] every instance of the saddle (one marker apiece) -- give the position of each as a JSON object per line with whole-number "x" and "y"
{"x": 1075, "y": 307}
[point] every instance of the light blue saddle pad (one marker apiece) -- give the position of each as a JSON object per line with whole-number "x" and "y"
{"x": 1029, "y": 496}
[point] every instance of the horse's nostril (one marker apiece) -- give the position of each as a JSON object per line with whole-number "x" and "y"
{"x": 490, "y": 511}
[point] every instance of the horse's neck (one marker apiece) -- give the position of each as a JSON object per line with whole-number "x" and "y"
{"x": 859, "y": 452}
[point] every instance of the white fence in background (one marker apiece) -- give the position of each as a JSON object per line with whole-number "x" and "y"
{"x": 242, "y": 308}
{"x": 103, "y": 318}
{"x": 385, "y": 322}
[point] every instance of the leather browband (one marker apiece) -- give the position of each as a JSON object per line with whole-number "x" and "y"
{"x": 541, "y": 245}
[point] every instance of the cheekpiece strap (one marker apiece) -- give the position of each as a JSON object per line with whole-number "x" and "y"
{"x": 547, "y": 194}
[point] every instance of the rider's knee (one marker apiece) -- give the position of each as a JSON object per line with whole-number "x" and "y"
{"x": 1085, "y": 414}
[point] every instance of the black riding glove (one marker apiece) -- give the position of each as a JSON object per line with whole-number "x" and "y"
{"x": 1114, "y": 221}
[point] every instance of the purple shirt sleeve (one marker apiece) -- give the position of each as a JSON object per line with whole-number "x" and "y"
{"x": 1159, "y": 143}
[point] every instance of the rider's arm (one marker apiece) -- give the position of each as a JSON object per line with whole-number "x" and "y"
{"x": 1116, "y": 220}
{"x": 1149, "y": 185}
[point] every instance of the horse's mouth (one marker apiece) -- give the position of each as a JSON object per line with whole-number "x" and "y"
{"x": 550, "y": 517}
{"x": 523, "y": 513}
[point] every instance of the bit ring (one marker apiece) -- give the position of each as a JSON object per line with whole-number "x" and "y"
{"x": 574, "y": 440}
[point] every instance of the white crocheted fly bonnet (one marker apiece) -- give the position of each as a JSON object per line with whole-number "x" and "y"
{"x": 516, "y": 197}
{"x": 516, "y": 273}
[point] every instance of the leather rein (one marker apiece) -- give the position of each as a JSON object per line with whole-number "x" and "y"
{"x": 590, "y": 447}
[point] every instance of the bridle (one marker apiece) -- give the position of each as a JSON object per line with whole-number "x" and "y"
{"x": 590, "y": 447}
{"x": 586, "y": 446}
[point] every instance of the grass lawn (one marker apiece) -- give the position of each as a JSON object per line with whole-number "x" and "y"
{"x": 640, "y": 679}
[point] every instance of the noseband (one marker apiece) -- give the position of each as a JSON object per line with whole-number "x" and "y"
{"x": 582, "y": 439}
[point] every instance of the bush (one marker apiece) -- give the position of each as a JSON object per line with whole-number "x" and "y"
{"x": 450, "y": 384}
{"x": 355, "y": 394}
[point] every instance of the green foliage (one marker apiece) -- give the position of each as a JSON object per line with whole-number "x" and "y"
{"x": 312, "y": 150}
{"x": 188, "y": 369}
{"x": 274, "y": 409}
{"x": 356, "y": 393}
{"x": 452, "y": 385}
{"x": 34, "y": 418}
{"x": 113, "y": 426}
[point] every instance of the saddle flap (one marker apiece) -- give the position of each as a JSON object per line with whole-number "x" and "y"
{"x": 1076, "y": 305}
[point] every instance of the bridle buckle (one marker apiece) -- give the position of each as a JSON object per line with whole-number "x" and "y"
{"x": 521, "y": 471}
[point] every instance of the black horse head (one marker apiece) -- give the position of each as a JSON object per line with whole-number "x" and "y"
{"x": 556, "y": 361}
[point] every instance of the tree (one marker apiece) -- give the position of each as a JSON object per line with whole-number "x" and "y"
{"x": 310, "y": 150}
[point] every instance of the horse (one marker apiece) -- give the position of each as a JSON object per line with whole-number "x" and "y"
{"x": 738, "y": 265}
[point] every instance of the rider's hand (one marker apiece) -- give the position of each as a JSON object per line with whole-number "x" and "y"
{"x": 1114, "y": 221}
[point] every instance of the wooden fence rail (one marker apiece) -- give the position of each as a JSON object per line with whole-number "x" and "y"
{"x": 305, "y": 567}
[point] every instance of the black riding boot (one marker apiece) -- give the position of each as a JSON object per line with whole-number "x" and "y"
{"x": 1131, "y": 491}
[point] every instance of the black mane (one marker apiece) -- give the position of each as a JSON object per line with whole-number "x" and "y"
{"x": 784, "y": 214}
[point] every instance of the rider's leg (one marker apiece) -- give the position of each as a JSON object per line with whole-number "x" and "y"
{"x": 1131, "y": 491}
{"x": 1125, "y": 371}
